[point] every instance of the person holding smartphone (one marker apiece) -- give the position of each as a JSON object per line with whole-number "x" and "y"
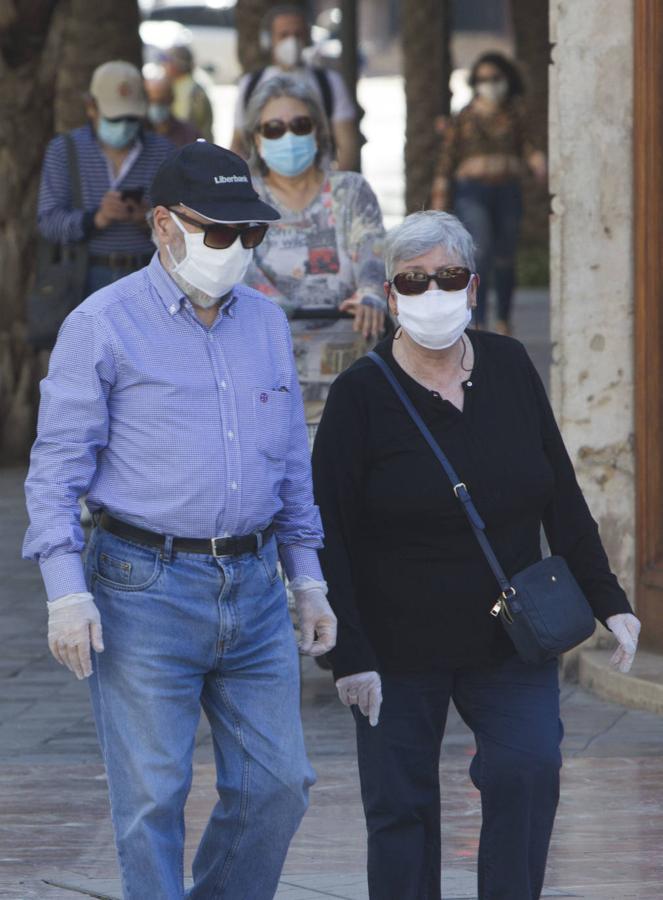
{"x": 115, "y": 159}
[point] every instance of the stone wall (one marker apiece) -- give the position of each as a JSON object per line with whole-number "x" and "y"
{"x": 591, "y": 87}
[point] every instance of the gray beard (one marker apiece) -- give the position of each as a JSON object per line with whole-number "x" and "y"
{"x": 195, "y": 295}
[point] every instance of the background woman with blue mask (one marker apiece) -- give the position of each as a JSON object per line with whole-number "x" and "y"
{"x": 324, "y": 256}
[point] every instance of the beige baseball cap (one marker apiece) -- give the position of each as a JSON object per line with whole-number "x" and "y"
{"x": 117, "y": 86}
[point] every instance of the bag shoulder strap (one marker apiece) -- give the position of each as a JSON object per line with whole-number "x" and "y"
{"x": 325, "y": 90}
{"x": 252, "y": 84}
{"x": 459, "y": 488}
{"x": 74, "y": 172}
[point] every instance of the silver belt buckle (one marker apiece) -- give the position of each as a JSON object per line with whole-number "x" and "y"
{"x": 213, "y": 543}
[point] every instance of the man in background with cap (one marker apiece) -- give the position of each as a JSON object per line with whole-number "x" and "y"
{"x": 172, "y": 400}
{"x": 117, "y": 160}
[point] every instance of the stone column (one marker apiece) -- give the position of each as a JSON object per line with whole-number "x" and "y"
{"x": 591, "y": 87}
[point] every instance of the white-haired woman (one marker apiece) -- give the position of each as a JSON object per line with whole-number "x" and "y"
{"x": 412, "y": 590}
{"x": 324, "y": 255}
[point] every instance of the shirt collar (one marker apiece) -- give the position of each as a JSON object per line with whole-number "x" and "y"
{"x": 172, "y": 296}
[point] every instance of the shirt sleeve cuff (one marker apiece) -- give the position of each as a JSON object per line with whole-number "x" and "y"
{"x": 298, "y": 560}
{"x": 63, "y": 574}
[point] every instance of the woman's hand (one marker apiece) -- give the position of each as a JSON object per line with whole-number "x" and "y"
{"x": 363, "y": 690}
{"x": 626, "y": 628}
{"x": 367, "y": 318}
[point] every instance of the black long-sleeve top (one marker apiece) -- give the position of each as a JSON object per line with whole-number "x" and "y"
{"x": 407, "y": 579}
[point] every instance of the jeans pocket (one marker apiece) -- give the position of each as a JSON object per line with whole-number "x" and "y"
{"x": 123, "y": 566}
{"x": 270, "y": 562}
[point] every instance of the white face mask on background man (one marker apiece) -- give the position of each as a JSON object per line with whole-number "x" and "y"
{"x": 214, "y": 272}
{"x": 493, "y": 91}
{"x": 288, "y": 52}
{"x": 435, "y": 319}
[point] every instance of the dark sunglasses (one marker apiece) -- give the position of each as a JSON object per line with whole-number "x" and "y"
{"x": 450, "y": 278}
{"x": 276, "y": 128}
{"x": 220, "y": 236}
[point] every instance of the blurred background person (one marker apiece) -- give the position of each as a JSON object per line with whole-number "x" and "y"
{"x": 324, "y": 255}
{"x": 117, "y": 160}
{"x": 286, "y": 32}
{"x": 485, "y": 152}
{"x": 191, "y": 103}
{"x": 160, "y": 98}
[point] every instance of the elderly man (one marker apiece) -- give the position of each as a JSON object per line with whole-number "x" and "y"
{"x": 172, "y": 400}
{"x": 286, "y": 31}
{"x": 160, "y": 99}
{"x": 116, "y": 160}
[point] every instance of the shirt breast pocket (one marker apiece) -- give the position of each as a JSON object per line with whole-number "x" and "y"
{"x": 271, "y": 410}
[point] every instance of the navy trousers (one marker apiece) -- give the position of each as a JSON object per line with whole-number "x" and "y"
{"x": 513, "y": 710}
{"x": 492, "y": 214}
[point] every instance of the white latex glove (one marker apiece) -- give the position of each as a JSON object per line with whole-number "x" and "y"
{"x": 626, "y": 628}
{"x": 363, "y": 690}
{"x": 74, "y": 622}
{"x": 316, "y": 619}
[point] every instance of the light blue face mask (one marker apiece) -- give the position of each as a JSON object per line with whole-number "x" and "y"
{"x": 289, "y": 155}
{"x": 158, "y": 113}
{"x": 117, "y": 134}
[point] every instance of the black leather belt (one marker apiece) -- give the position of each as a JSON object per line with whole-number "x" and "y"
{"x": 219, "y": 546}
{"x": 120, "y": 260}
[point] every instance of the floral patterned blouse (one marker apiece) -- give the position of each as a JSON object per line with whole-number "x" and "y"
{"x": 314, "y": 259}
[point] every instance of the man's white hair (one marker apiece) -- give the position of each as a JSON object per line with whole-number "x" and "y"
{"x": 422, "y": 231}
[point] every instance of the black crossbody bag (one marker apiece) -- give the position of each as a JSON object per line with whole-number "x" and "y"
{"x": 542, "y": 608}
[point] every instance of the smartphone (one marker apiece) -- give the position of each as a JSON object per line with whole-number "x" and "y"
{"x": 135, "y": 195}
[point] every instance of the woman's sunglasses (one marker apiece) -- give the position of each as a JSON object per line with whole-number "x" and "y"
{"x": 450, "y": 278}
{"x": 220, "y": 236}
{"x": 276, "y": 128}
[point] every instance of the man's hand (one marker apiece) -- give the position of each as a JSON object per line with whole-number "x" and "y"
{"x": 626, "y": 628}
{"x": 317, "y": 622}
{"x": 369, "y": 319}
{"x": 112, "y": 209}
{"x": 363, "y": 690}
{"x": 74, "y": 623}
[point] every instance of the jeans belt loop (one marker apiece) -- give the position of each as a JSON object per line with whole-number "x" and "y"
{"x": 167, "y": 552}
{"x": 259, "y": 544}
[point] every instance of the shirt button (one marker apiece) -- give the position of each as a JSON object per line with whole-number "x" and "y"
{"x": 469, "y": 384}
{"x": 231, "y": 435}
{"x": 233, "y": 485}
{"x": 172, "y": 310}
{"x": 223, "y": 385}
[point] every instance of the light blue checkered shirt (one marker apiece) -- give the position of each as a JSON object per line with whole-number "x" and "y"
{"x": 170, "y": 426}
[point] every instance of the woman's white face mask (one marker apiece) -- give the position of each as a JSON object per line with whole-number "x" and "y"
{"x": 214, "y": 272}
{"x": 435, "y": 319}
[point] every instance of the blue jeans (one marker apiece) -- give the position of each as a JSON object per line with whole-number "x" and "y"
{"x": 492, "y": 214}
{"x": 513, "y": 710}
{"x": 180, "y": 632}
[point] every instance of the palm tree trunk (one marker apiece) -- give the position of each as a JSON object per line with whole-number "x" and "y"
{"x": 425, "y": 26}
{"x": 48, "y": 50}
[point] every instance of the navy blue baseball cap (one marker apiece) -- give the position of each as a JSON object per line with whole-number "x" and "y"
{"x": 212, "y": 181}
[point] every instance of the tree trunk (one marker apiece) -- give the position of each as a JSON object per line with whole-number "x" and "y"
{"x": 531, "y": 33}
{"x": 249, "y": 15}
{"x": 48, "y": 50}
{"x": 425, "y": 26}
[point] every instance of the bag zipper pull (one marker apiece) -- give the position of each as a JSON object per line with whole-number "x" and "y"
{"x": 497, "y": 609}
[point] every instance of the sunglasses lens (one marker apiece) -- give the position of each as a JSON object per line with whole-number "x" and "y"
{"x": 301, "y": 125}
{"x": 409, "y": 283}
{"x": 220, "y": 237}
{"x": 453, "y": 278}
{"x": 253, "y": 235}
{"x": 273, "y": 129}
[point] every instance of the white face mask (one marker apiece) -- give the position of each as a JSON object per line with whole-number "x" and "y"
{"x": 288, "y": 52}
{"x": 436, "y": 319}
{"x": 493, "y": 91}
{"x": 214, "y": 272}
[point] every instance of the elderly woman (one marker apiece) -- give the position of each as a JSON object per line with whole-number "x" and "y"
{"x": 413, "y": 592}
{"x": 324, "y": 256}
